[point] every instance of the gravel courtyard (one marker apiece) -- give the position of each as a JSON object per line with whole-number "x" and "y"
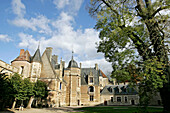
{"x": 43, "y": 110}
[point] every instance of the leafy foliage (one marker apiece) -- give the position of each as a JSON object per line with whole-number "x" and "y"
{"x": 40, "y": 89}
{"x": 6, "y": 90}
{"x": 134, "y": 34}
{"x": 20, "y": 89}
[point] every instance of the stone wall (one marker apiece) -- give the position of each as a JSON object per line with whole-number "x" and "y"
{"x": 8, "y": 69}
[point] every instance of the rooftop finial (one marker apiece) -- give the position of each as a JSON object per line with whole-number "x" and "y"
{"x": 72, "y": 53}
{"x": 39, "y": 44}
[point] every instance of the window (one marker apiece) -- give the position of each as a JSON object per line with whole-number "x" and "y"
{"x": 22, "y": 69}
{"x": 111, "y": 99}
{"x": 116, "y": 90}
{"x": 78, "y": 82}
{"x": 91, "y": 89}
{"x": 91, "y": 97}
{"x": 118, "y": 99}
{"x": 91, "y": 79}
{"x": 125, "y": 99}
{"x": 60, "y": 85}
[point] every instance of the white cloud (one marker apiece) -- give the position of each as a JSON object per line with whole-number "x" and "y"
{"x": 18, "y": 8}
{"x": 61, "y": 3}
{"x": 105, "y": 66}
{"x": 40, "y": 24}
{"x": 71, "y": 6}
{"x": 27, "y": 41}
{"x": 5, "y": 38}
{"x": 62, "y": 37}
{"x": 65, "y": 39}
{"x": 75, "y": 5}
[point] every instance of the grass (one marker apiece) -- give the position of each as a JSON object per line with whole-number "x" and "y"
{"x": 117, "y": 109}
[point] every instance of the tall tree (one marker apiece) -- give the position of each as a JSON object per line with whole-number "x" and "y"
{"x": 136, "y": 32}
{"x": 6, "y": 90}
{"x": 18, "y": 88}
{"x": 39, "y": 91}
{"x": 29, "y": 89}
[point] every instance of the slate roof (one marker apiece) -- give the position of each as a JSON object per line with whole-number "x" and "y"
{"x": 118, "y": 90}
{"x": 72, "y": 63}
{"x": 85, "y": 72}
{"x": 37, "y": 56}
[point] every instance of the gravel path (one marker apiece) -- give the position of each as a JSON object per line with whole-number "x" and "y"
{"x": 43, "y": 110}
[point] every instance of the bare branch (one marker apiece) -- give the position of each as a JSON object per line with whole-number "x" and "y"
{"x": 148, "y": 3}
{"x": 159, "y": 9}
{"x": 108, "y": 5}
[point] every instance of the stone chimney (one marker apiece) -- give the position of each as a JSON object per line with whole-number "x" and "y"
{"x": 49, "y": 52}
{"x": 96, "y": 66}
{"x": 80, "y": 65}
{"x": 21, "y": 52}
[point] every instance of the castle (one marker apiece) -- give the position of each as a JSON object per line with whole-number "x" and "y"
{"x": 70, "y": 85}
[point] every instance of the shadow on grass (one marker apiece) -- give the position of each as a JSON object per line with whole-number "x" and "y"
{"x": 116, "y": 109}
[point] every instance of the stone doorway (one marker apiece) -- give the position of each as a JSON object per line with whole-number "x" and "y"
{"x": 132, "y": 102}
{"x": 105, "y": 103}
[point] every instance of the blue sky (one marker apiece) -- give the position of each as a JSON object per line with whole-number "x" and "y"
{"x": 64, "y": 25}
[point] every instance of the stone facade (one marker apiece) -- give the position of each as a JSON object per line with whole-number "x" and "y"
{"x": 71, "y": 85}
{"x": 119, "y": 95}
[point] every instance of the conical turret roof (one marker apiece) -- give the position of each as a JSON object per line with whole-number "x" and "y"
{"x": 37, "y": 56}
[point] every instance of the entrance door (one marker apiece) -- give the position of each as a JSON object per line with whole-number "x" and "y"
{"x": 105, "y": 103}
{"x": 78, "y": 102}
{"x": 132, "y": 102}
{"x": 159, "y": 102}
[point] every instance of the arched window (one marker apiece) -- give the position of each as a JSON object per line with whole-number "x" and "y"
{"x": 91, "y": 89}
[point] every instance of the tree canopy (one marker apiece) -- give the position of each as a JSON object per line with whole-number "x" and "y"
{"x": 135, "y": 32}
{"x": 18, "y": 89}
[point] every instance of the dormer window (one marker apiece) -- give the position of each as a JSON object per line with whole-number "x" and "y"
{"x": 116, "y": 90}
{"x": 110, "y": 89}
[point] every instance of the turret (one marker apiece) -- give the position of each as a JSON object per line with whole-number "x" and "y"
{"x": 23, "y": 63}
{"x": 36, "y": 64}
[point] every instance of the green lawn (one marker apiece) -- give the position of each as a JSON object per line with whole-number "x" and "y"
{"x": 116, "y": 109}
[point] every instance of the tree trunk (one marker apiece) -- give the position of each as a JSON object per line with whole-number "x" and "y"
{"x": 165, "y": 92}
{"x": 14, "y": 103}
{"x": 2, "y": 105}
{"x": 30, "y": 102}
